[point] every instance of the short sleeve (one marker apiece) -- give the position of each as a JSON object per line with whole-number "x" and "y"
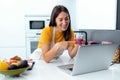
{"x": 45, "y": 37}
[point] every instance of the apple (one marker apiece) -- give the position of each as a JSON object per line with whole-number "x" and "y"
{"x": 11, "y": 61}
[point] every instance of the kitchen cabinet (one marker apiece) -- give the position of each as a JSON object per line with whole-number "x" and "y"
{"x": 96, "y": 14}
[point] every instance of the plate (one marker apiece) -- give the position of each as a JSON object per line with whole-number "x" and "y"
{"x": 14, "y": 72}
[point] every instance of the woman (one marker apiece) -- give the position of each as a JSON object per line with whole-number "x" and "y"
{"x": 58, "y": 36}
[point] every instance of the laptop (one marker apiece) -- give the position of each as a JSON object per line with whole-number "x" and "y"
{"x": 91, "y": 58}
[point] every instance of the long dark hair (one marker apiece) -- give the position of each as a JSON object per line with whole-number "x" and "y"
{"x": 56, "y": 11}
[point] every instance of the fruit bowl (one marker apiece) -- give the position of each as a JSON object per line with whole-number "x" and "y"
{"x": 14, "y": 72}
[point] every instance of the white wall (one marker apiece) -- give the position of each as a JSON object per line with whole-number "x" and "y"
{"x": 11, "y": 24}
{"x": 96, "y": 14}
{"x": 12, "y": 30}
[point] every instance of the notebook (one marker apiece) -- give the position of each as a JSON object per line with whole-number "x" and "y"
{"x": 91, "y": 58}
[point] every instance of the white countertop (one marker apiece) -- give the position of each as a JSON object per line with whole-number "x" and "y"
{"x": 50, "y": 71}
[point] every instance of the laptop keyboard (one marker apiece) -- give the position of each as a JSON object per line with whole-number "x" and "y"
{"x": 67, "y": 67}
{"x": 70, "y": 69}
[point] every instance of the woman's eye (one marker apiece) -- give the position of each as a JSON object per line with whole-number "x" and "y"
{"x": 67, "y": 18}
{"x": 60, "y": 19}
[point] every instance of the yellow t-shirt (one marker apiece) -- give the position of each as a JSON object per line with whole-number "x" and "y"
{"x": 47, "y": 34}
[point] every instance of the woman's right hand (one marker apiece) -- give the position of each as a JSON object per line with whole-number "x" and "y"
{"x": 63, "y": 45}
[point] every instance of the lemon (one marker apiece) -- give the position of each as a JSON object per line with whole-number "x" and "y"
{"x": 3, "y": 65}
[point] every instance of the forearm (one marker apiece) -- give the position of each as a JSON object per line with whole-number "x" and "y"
{"x": 48, "y": 56}
{"x": 51, "y": 53}
{"x": 73, "y": 51}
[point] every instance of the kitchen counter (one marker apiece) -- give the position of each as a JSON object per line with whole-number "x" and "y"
{"x": 50, "y": 71}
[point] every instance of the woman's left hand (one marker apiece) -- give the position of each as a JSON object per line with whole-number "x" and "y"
{"x": 63, "y": 45}
{"x": 80, "y": 41}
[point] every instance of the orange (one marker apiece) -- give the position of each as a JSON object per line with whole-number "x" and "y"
{"x": 15, "y": 64}
{"x": 3, "y": 65}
